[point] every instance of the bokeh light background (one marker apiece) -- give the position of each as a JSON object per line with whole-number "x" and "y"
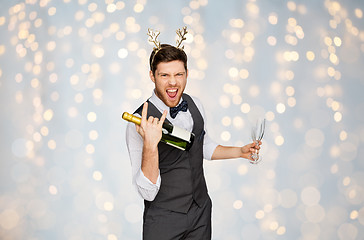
{"x": 68, "y": 69}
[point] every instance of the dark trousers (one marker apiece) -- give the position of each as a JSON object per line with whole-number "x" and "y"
{"x": 163, "y": 224}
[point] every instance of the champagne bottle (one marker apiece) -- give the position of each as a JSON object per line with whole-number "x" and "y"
{"x": 172, "y": 135}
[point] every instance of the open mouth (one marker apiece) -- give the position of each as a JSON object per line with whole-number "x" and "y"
{"x": 172, "y": 93}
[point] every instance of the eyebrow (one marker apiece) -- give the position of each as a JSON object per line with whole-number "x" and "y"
{"x": 164, "y": 73}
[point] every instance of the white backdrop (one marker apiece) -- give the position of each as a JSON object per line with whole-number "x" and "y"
{"x": 68, "y": 69}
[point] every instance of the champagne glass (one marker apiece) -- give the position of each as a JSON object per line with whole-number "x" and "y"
{"x": 257, "y": 134}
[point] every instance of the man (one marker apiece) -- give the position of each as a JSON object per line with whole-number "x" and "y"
{"x": 170, "y": 180}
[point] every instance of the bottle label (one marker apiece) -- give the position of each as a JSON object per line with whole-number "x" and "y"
{"x": 181, "y": 133}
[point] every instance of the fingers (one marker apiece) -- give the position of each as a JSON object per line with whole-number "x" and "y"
{"x": 163, "y": 118}
{"x": 145, "y": 112}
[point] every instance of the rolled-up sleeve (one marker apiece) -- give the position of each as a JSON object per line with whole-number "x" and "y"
{"x": 146, "y": 189}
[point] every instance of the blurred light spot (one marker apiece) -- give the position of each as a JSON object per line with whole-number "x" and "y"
{"x": 52, "y": 144}
{"x": 290, "y": 91}
{"x": 108, "y": 206}
{"x": 120, "y": 5}
{"x": 343, "y": 135}
{"x": 242, "y": 169}
{"x": 281, "y": 230}
{"x": 53, "y": 190}
{"x": 358, "y": 13}
{"x": 79, "y": 98}
{"x": 233, "y": 72}
{"x": 104, "y": 199}
{"x": 338, "y": 117}
{"x": 315, "y": 213}
{"x": 235, "y": 37}
{"x": 72, "y": 112}
{"x": 138, "y": 8}
{"x": 291, "y": 101}
{"x": 334, "y": 169}
{"x": 52, "y": 11}
{"x": 243, "y": 73}
{"x": 268, "y": 208}
{"x": 276, "y": 88}
{"x": 9, "y": 219}
{"x": 44, "y": 131}
{"x": 136, "y": 93}
{"x": 112, "y": 237}
{"x": 97, "y": 176}
{"x": 273, "y": 18}
{"x": 90, "y": 149}
{"x": 346, "y": 181}
{"x": 289, "y": 75}
{"x": 314, "y": 137}
{"x": 259, "y": 214}
{"x": 310, "y": 55}
{"x": 347, "y": 231}
{"x": 224, "y": 101}
{"x": 122, "y": 53}
{"x": 337, "y": 41}
{"x": 225, "y": 136}
{"x": 238, "y": 204}
{"x": 245, "y": 108}
{"x": 328, "y": 41}
{"x": 274, "y": 225}
{"x": 272, "y": 41}
{"x": 281, "y": 108}
{"x": 91, "y": 116}
{"x": 354, "y": 215}
{"x": 269, "y": 116}
{"x": 279, "y": 140}
{"x": 98, "y": 51}
{"x": 291, "y": 56}
{"x": 92, "y": 7}
{"x": 236, "y": 23}
{"x": 252, "y": 8}
{"x": 254, "y": 91}
{"x": 2, "y": 49}
{"x": 310, "y": 196}
{"x": 93, "y": 135}
{"x": 238, "y": 122}
{"x": 291, "y": 5}
{"x": 2, "y": 20}
{"x": 226, "y": 121}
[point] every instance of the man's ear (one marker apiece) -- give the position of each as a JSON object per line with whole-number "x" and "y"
{"x": 151, "y": 75}
{"x": 187, "y": 73}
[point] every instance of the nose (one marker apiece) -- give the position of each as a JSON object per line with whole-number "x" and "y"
{"x": 172, "y": 81}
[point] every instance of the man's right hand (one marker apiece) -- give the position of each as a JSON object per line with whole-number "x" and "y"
{"x": 150, "y": 129}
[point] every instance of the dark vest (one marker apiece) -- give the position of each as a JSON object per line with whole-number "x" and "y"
{"x": 182, "y": 176}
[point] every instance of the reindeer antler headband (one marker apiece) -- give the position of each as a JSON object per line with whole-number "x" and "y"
{"x": 153, "y": 35}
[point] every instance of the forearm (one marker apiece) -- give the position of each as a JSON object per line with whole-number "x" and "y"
{"x": 150, "y": 163}
{"x": 224, "y": 152}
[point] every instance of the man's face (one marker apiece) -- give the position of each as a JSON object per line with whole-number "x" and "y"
{"x": 170, "y": 81}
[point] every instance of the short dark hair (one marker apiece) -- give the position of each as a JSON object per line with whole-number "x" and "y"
{"x": 166, "y": 53}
